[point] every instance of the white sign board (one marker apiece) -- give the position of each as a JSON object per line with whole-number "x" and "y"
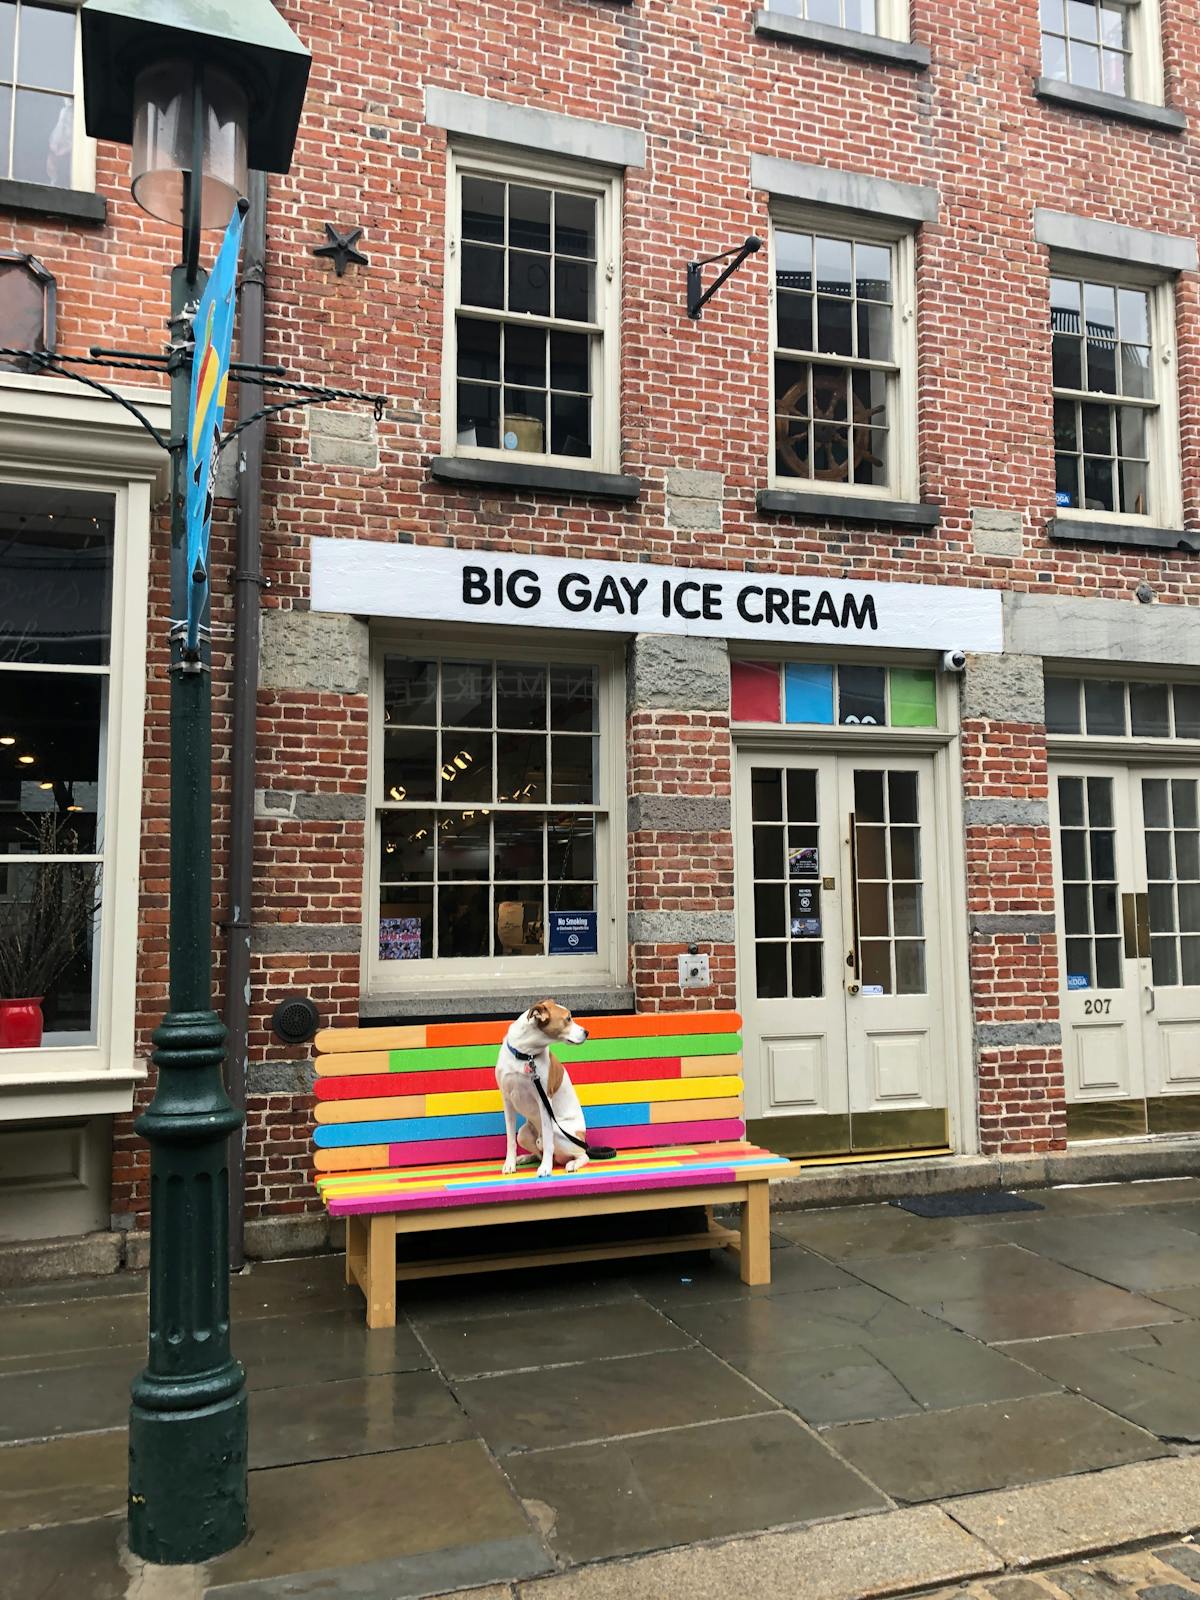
{"x": 430, "y": 584}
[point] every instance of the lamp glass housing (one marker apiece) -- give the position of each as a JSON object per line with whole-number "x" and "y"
{"x": 162, "y": 141}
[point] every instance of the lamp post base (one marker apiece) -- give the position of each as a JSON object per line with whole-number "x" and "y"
{"x": 187, "y": 1468}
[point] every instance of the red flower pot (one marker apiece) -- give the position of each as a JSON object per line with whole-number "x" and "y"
{"x": 20, "y": 1024}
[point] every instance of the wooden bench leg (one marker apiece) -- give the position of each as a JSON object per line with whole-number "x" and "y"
{"x": 754, "y": 1257}
{"x": 354, "y": 1245}
{"x": 380, "y": 1285}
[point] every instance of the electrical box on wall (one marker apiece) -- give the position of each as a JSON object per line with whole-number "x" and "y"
{"x": 693, "y": 972}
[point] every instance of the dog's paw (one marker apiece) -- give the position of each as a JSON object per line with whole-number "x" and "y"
{"x": 546, "y": 1170}
{"x": 510, "y": 1165}
{"x": 577, "y": 1163}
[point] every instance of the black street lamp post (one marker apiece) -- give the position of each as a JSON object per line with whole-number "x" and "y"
{"x": 201, "y": 90}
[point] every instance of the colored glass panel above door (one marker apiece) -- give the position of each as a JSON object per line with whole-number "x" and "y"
{"x": 820, "y": 694}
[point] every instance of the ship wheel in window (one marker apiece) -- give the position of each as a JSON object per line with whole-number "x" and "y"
{"x": 831, "y": 432}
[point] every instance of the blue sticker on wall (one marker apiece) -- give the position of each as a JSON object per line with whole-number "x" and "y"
{"x": 572, "y": 933}
{"x": 1078, "y": 980}
{"x": 1063, "y": 497}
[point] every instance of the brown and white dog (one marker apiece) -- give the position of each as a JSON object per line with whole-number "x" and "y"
{"x": 524, "y": 1053}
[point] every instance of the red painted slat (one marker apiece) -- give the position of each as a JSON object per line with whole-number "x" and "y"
{"x": 372, "y": 1084}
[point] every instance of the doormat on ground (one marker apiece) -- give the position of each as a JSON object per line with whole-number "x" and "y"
{"x": 965, "y": 1205}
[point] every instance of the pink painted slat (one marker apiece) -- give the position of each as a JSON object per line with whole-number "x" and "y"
{"x": 530, "y": 1189}
{"x": 643, "y": 1136}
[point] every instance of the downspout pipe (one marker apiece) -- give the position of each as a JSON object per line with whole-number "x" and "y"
{"x": 247, "y": 591}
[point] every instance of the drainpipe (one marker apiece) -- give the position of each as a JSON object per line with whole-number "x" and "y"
{"x": 247, "y": 587}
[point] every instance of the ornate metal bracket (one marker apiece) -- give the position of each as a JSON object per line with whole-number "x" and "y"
{"x": 697, "y": 295}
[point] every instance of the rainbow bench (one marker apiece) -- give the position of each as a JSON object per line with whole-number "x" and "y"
{"x": 410, "y": 1138}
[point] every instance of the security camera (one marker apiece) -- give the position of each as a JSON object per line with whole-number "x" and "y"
{"x": 954, "y": 660}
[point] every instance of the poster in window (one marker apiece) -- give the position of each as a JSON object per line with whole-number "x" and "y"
{"x": 573, "y": 933}
{"x": 804, "y": 862}
{"x": 400, "y": 938}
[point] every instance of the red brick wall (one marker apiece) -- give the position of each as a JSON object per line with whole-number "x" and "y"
{"x": 708, "y": 93}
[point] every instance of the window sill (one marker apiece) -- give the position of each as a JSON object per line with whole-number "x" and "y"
{"x": 27, "y": 1094}
{"x": 845, "y": 41}
{"x": 482, "y": 1005}
{"x": 581, "y": 481}
{"x": 1069, "y": 530}
{"x": 849, "y": 507}
{"x": 1072, "y": 97}
{"x": 73, "y": 205}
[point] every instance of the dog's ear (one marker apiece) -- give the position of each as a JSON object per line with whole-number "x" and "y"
{"x": 540, "y": 1014}
{"x": 554, "y": 1077}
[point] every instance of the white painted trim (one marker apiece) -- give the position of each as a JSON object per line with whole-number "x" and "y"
{"x": 507, "y": 165}
{"x": 51, "y": 436}
{"x": 490, "y": 977}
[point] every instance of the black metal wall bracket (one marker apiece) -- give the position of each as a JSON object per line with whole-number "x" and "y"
{"x": 697, "y": 295}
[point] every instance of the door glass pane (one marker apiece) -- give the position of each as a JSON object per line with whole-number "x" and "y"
{"x": 1104, "y": 704}
{"x": 890, "y": 892}
{"x": 1173, "y": 873}
{"x": 788, "y": 930}
{"x": 1089, "y": 888}
{"x": 1062, "y": 705}
{"x": 1149, "y": 711}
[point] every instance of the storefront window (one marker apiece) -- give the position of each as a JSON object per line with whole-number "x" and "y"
{"x": 490, "y": 836}
{"x": 1107, "y": 708}
{"x": 56, "y": 564}
{"x": 820, "y": 693}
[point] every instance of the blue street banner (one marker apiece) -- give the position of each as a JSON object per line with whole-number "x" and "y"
{"x": 213, "y": 334}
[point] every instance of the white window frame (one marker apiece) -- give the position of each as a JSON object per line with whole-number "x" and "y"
{"x": 1164, "y": 479}
{"x": 503, "y": 163}
{"x": 1145, "y": 56}
{"x": 493, "y": 975}
{"x": 891, "y": 18}
{"x": 903, "y": 467}
{"x": 51, "y": 436}
{"x": 83, "y": 149}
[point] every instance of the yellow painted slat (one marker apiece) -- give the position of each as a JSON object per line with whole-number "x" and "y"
{"x": 335, "y": 1041}
{"x": 356, "y": 1182}
{"x": 408, "y": 1105}
{"x": 641, "y": 1091}
{"x": 710, "y": 1066}
{"x": 691, "y": 1111}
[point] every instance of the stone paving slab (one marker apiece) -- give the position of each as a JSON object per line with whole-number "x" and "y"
{"x": 699, "y": 1280}
{"x": 974, "y": 1448}
{"x": 661, "y": 1489}
{"x": 855, "y": 1560}
{"x": 526, "y": 1339}
{"x": 353, "y": 1417}
{"x": 1149, "y": 1376}
{"x": 408, "y": 1578}
{"x": 63, "y": 1480}
{"x": 1052, "y": 1521}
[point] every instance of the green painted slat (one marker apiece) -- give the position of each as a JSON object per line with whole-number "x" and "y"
{"x": 447, "y": 1058}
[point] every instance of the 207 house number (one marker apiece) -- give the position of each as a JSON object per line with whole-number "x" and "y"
{"x": 1097, "y": 1008}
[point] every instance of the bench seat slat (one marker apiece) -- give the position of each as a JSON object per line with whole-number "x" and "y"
{"x": 700, "y": 1110}
{"x": 359, "y": 1157}
{"x": 699, "y": 1174}
{"x": 421, "y": 1177}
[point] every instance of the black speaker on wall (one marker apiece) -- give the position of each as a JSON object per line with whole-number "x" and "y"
{"x": 295, "y": 1020}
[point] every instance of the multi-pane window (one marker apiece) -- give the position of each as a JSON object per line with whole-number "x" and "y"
{"x": 788, "y": 942}
{"x": 1089, "y": 43}
{"x": 1105, "y": 405}
{"x": 1108, "y": 708}
{"x": 888, "y": 881}
{"x": 533, "y": 273}
{"x": 837, "y": 360}
{"x": 1087, "y": 845}
{"x": 491, "y": 839}
{"x": 56, "y": 601}
{"x": 858, "y": 15}
{"x": 1171, "y": 811}
{"x": 37, "y": 92}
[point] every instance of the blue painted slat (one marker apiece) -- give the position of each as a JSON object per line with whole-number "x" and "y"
{"x": 473, "y": 1125}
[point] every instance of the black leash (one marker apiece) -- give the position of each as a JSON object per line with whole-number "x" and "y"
{"x": 594, "y": 1152}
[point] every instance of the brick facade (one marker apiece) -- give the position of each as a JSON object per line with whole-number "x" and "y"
{"x": 707, "y": 92}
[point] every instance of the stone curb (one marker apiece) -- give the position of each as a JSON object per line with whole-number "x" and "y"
{"x": 867, "y": 1556}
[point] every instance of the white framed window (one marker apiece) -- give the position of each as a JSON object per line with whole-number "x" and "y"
{"x": 888, "y": 19}
{"x": 531, "y": 365}
{"x": 73, "y": 562}
{"x": 42, "y": 138}
{"x": 1114, "y": 46}
{"x": 495, "y": 776}
{"x": 1116, "y": 417}
{"x": 843, "y": 370}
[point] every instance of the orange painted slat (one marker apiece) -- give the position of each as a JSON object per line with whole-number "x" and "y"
{"x": 710, "y": 1066}
{"x": 408, "y": 1105}
{"x": 352, "y": 1158}
{"x": 689, "y": 1111}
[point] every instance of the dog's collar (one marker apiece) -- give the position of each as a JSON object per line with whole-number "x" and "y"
{"x": 528, "y": 1060}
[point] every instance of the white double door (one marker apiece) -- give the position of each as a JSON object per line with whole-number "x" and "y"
{"x": 1127, "y": 858}
{"x": 840, "y": 949}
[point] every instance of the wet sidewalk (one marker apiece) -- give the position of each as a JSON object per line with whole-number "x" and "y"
{"x": 519, "y": 1428}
